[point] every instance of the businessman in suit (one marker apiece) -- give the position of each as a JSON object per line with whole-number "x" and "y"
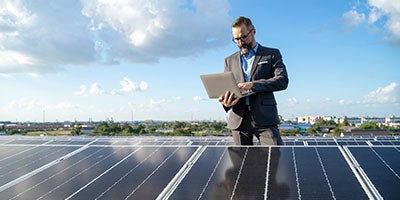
{"x": 258, "y": 70}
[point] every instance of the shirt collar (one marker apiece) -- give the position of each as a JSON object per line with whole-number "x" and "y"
{"x": 252, "y": 52}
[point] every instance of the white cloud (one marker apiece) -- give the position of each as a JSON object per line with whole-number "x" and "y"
{"x": 386, "y": 12}
{"x": 390, "y": 9}
{"x": 176, "y": 98}
{"x": 154, "y": 103}
{"x": 22, "y": 104}
{"x": 42, "y": 37}
{"x": 326, "y": 100}
{"x": 96, "y": 89}
{"x": 352, "y": 19}
{"x": 389, "y": 94}
{"x": 82, "y": 91}
{"x": 199, "y": 98}
{"x": 62, "y": 106}
{"x": 346, "y": 102}
{"x": 129, "y": 86}
{"x": 145, "y": 30}
{"x": 292, "y": 101}
{"x": 45, "y": 37}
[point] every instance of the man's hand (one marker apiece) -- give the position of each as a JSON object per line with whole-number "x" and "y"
{"x": 245, "y": 86}
{"x": 229, "y": 99}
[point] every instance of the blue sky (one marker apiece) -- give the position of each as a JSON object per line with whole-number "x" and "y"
{"x": 140, "y": 60}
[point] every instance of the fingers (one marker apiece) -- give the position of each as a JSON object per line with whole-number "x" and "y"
{"x": 235, "y": 101}
{"x": 229, "y": 99}
{"x": 245, "y": 86}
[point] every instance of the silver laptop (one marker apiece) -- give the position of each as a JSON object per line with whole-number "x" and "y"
{"x": 217, "y": 84}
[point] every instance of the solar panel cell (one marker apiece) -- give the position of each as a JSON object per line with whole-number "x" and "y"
{"x": 379, "y": 166}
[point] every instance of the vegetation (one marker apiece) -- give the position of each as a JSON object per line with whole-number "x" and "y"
{"x": 76, "y": 129}
{"x": 330, "y": 124}
{"x": 290, "y": 132}
{"x": 176, "y": 128}
{"x": 49, "y": 133}
{"x": 180, "y": 128}
{"x": 369, "y": 126}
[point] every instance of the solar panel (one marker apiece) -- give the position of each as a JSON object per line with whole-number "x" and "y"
{"x": 381, "y": 166}
{"x": 198, "y": 168}
{"x": 105, "y": 172}
{"x": 20, "y": 164}
{"x": 270, "y": 173}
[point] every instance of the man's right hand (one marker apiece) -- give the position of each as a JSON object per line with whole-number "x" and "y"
{"x": 229, "y": 99}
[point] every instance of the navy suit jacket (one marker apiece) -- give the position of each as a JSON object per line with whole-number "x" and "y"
{"x": 268, "y": 75}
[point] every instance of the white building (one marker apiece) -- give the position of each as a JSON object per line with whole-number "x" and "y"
{"x": 392, "y": 121}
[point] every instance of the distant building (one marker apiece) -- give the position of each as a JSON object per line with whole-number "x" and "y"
{"x": 392, "y": 121}
{"x": 165, "y": 130}
{"x": 353, "y": 121}
{"x": 378, "y": 120}
{"x": 331, "y": 118}
{"x": 309, "y": 119}
{"x": 365, "y": 132}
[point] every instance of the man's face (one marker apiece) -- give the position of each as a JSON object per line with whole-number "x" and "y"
{"x": 244, "y": 38}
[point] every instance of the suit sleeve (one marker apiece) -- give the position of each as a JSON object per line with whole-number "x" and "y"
{"x": 226, "y": 69}
{"x": 279, "y": 78}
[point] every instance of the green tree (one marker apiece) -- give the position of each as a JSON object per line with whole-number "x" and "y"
{"x": 13, "y": 132}
{"x": 114, "y": 129}
{"x": 179, "y": 125}
{"x": 314, "y": 129}
{"x": 140, "y": 129}
{"x": 337, "y": 131}
{"x": 76, "y": 129}
{"x": 102, "y": 129}
{"x": 126, "y": 129}
{"x": 182, "y": 132}
{"x": 326, "y": 123}
{"x": 345, "y": 121}
{"x": 369, "y": 125}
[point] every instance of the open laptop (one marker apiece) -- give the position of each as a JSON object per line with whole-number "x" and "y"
{"x": 217, "y": 84}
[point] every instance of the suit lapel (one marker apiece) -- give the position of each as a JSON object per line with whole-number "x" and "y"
{"x": 238, "y": 73}
{"x": 256, "y": 60}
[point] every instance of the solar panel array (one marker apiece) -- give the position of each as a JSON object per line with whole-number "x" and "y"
{"x": 198, "y": 168}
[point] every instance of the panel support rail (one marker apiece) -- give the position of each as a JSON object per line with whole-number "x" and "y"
{"x": 170, "y": 188}
{"x": 361, "y": 176}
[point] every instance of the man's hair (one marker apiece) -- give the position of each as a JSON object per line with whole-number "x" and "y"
{"x": 242, "y": 20}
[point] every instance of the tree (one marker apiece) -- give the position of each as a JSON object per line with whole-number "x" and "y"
{"x": 178, "y": 125}
{"x": 313, "y": 129}
{"x": 337, "y": 131}
{"x": 369, "y": 125}
{"x": 14, "y": 131}
{"x": 102, "y": 129}
{"x": 76, "y": 129}
{"x": 126, "y": 129}
{"x": 345, "y": 121}
{"x": 326, "y": 123}
{"x": 114, "y": 128}
{"x": 182, "y": 132}
{"x": 140, "y": 129}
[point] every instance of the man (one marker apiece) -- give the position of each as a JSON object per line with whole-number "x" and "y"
{"x": 260, "y": 70}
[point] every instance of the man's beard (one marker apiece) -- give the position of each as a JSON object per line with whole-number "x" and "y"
{"x": 245, "y": 48}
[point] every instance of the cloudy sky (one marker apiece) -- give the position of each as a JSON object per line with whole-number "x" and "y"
{"x": 141, "y": 59}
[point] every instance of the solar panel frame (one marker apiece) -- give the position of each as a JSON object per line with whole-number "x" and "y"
{"x": 376, "y": 172}
{"x": 313, "y": 147}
